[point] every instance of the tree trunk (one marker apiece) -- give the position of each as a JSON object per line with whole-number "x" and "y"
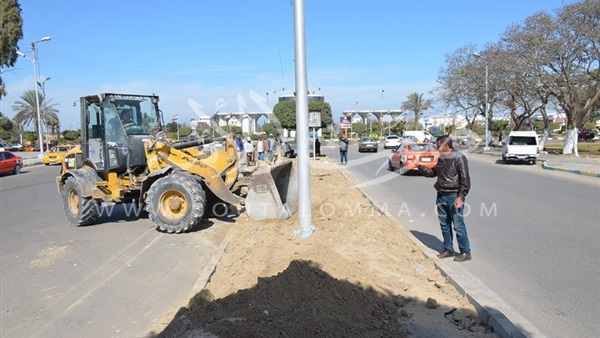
{"x": 544, "y": 139}
{"x": 570, "y": 146}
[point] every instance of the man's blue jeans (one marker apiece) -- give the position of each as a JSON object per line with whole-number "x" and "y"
{"x": 343, "y": 156}
{"x": 449, "y": 215}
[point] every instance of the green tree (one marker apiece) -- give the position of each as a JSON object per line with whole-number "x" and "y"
{"x": 71, "y": 135}
{"x": 11, "y": 31}
{"x": 416, "y": 104}
{"x": 6, "y": 128}
{"x": 270, "y": 128}
{"x": 26, "y": 111}
{"x": 236, "y": 130}
{"x": 285, "y": 112}
{"x": 397, "y": 127}
{"x": 171, "y": 127}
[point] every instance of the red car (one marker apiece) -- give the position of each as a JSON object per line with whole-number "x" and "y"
{"x": 410, "y": 154}
{"x": 10, "y": 163}
{"x": 584, "y": 134}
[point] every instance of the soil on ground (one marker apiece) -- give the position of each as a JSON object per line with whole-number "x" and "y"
{"x": 357, "y": 275}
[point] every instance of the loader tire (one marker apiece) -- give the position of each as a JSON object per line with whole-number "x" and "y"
{"x": 79, "y": 210}
{"x": 175, "y": 203}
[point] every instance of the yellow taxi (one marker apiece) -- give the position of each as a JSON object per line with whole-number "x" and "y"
{"x": 56, "y": 155}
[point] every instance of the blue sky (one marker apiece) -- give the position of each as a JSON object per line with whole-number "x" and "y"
{"x": 204, "y": 56}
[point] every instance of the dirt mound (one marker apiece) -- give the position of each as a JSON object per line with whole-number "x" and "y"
{"x": 301, "y": 301}
{"x": 357, "y": 275}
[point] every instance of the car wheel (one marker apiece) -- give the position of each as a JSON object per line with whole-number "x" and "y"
{"x": 17, "y": 170}
{"x": 390, "y": 166}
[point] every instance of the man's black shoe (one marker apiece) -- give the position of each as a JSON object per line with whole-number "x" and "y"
{"x": 446, "y": 254}
{"x": 462, "y": 257}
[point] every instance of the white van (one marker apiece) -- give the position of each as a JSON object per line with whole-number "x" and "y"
{"x": 521, "y": 146}
{"x": 421, "y": 135}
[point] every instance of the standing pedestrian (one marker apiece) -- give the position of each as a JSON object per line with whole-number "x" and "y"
{"x": 249, "y": 149}
{"x": 239, "y": 146}
{"x": 343, "y": 150}
{"x": 260, "y": 148}
{"x": 317, "y": 147}
{"x": 452, "y": 186}
{"x": 270, "y": 147}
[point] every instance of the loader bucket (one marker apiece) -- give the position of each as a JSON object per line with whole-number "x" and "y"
{"x": 273, "y": 192}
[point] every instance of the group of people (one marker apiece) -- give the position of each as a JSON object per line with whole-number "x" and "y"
{"x": 265, "y": 149}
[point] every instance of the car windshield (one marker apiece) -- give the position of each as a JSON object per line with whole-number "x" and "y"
{"x": 421, "y": 147}
{"x": 60, "y": 149}
{"x": 392, "y": 137}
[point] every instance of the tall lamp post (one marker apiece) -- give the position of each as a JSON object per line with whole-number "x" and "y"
{"x": 37, "y": 98}
{"x": 487, "y": 139}
{"x": 42, "y": 85}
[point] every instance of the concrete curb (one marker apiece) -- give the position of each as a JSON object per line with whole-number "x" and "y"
{"x": 548, "y": 167}
{"x": 211, "y": 266}
{"x": 572, "y": 171}
{"x": 504, "y": 320}
{"x": 31, "y": 164}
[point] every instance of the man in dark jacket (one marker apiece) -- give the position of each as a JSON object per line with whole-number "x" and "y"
{"x": 452, "y": 186}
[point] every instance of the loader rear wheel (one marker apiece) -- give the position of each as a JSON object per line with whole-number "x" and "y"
{"x": 79, "y": 210}
{"x": 175, "y": 203}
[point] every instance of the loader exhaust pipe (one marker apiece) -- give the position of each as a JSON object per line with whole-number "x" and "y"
{"x": 273, "y": 192}
{"x": 198, "y": 142}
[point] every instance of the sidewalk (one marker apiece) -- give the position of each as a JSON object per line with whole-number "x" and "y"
{"x": 582, "y": 165}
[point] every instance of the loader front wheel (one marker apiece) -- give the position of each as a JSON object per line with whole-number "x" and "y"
{"x": 79, "y": 210}
{"x": 175, "y": 203}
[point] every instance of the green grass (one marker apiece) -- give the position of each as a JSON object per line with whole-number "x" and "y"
{"x": 591, "y": 148}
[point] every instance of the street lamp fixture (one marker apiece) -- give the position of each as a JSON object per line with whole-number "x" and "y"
{"x": 486, "y": 109}
{"x": 34, "y": 61}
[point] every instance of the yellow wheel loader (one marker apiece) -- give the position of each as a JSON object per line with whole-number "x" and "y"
{"x": 125, "y": 157}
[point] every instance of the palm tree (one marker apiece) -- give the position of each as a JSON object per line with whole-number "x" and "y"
{"x": 415, "y": 103}
{"x": 26, "y": 111}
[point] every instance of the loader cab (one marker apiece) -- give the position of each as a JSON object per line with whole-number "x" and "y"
{"x": 114, "y": 128}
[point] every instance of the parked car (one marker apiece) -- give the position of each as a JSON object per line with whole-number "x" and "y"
{"x": 10, "y": 163}
{"x": 30, "y": 147}
{"x": 15, "y": 147}
{"x": 410, "y": 154}
{"x": 391, "y": 141}
{"x": 56, "y": 155}
{"x": 584, "y": 134}
{"x": 368, "y": 144}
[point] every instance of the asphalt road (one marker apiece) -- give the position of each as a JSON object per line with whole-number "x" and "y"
{"x": 117, "y": 278}
{"x": 534, "y": 233}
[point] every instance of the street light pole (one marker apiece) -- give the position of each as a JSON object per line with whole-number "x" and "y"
{"x": 37, "y": 97}
{"x": 43, "y": 86}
